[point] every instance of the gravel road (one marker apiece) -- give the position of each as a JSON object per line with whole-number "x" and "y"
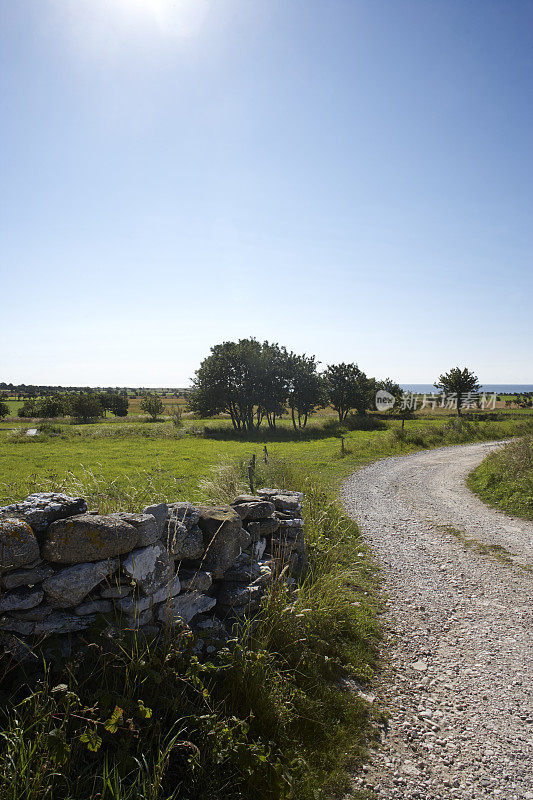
{"x": 457, "y": 677}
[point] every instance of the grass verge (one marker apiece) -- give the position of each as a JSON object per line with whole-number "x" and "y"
{"x": 505, "y": 478}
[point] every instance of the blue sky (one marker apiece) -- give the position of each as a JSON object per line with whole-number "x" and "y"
{"x": 351, "y": 179}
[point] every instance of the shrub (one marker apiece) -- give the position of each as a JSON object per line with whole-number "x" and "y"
{"x": 152, "y": 404}
{"x": 4, "y": 409}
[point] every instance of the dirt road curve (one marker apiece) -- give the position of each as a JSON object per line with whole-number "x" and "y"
{"x": 459, "y": 656}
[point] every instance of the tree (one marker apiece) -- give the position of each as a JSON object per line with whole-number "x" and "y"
{"x": 152, "y": 404}
{"x": 388, "y": 385}
{"x": 85, "y": 406}
{"x": 231, "y": 380}
{"x": 116, "y": 403}
{"x": 4, "y": 409}
{"x": 306, "y": 389}
{"x": 348, "y": 388}
{"x": 460, "y": 383}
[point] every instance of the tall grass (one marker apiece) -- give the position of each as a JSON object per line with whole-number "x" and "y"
{"x": 505, "y": 478}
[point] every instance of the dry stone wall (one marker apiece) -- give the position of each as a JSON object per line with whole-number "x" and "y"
{"x": 171, "y": 564}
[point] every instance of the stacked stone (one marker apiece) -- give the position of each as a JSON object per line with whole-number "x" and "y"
{"x": 170, "y": 564}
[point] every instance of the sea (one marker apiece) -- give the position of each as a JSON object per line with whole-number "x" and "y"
{"x": 499, "y": 388}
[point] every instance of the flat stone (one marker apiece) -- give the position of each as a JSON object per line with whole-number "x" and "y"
{"x": 258, "y": 509}
{"x": 183, "y": 513}
{"x": 171, "y": 589}
{"x": 252, "y": 572}
{"x": 240, "y": 598}
{"x": 94, "y": 607}
{"x": 258, "y": 529}
{"x": 194, "y": 579}
{"x": 286, "y": 502}
{"x": 42, "y": 508}
{"x": 21, "y": 627}
{"x": 184, "y": 543}
{"x": 246, "y": 498}
{"x": 160, "y": 512}
{"x": 145, "y": 524}
{"x": 140, "y": 620}
{"x": 184, "y": 607}
{"x": 149, "y": 567}
{"x": 26, "y": 577}
{"x": 69, "y": 586}
{"x": 419, "y": 666}
{"x": 20, "y": 599}
{"x": 18, "y": 545}
{"x": 116, "y": 592}
{"x": 88, "y": 537}
{"x": 134, "y": 605}
{"x": 224, "y": 537}
{"x": 33, "y": 614}
{"x": 61, "y": 622}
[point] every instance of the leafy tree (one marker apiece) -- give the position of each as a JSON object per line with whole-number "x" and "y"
{"x": 116, "y": 403}
{"x": 349, "y": 388}
{"x": 85, "y": 406}
{"x": 27, "y": 409}
{"x": 231, "y": 380}
{"x": 275, "y": 369}
{"x": 458, "y": 382}
{"x": 388, "y": 385}
{"x": 4, "y": 409}
{"x": 53, "y": 406}
{"x": 306, "y": 389}
{"x": 152, "y": 404}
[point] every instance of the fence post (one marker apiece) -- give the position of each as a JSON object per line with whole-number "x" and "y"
{"x": 265, "y": 457}
{"x": 251, "y": 470}
{"x": 342, "y": 445}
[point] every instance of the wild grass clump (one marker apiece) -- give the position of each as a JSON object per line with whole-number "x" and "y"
{"x": 125, "y": 492}
{"x": 505, "y": 478}
{"x": 454, "y": 431}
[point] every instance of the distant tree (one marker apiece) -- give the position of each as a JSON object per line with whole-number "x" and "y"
{"x": 388, "y": 385}
{"x": 49, "y": 407}
{"x": 349, "y": 388}
{"x": 85, "y": 406}
{"x": 306, "y": 389}
{"x": 116, "y": 403}
{"x": 460, "y": 383}
{"x": 152, "y": 404}
{"x": 4, "y": 409}
{"x": 274, "y": 374}
{"x": 27, "y": 409}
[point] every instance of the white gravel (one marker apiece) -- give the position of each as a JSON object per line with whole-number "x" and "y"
{"x": 457, "y": 674}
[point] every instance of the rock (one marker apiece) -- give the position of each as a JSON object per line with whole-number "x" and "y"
{"x": 194, "y": 579}
{"x": 184, "y": 543}
{"x": 184, "y": 607}
{"x": 22, "y": 627}
{"x": 145, "y": 524}
{"x": 259, "y": 549}
{"x": 257, "y": 509}
{"x": 171, "y": 589}
{"x": 88, "y": 537}
{"x": 18, "y": 545}
{"x": 94, "y": 607}
{"x": 26, "y": 577}
{"x": 420, "y": 666}
{"x": 286, "y": 502}
{"x": 133, "y": 606}
{"x": 33, "y": 614}
{"x": 69, "y": 586}
{"x": 183, "y": 514}
{"x": 262, "y": 527}
{"x": 142, "y": 619}
{"x": 160, "y": 512}
{"x": 239, "y": 598}
{"x": 42, "y": 508}
{"x": 61, "y": 622}
{"x": 115, "y": 592}
{"x": 252, "y": 572}
{"x": 149, "y": 567}
{"x": 20, "y": 599}
{"x": 224, "y": 538}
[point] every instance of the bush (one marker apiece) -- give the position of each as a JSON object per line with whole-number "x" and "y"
{"x": 86, "y": 407}
{"x": 152, "y": 404}
{"x": 4, "y": 409}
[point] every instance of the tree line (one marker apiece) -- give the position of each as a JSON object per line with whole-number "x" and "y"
{"x": 255, "y": 381}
